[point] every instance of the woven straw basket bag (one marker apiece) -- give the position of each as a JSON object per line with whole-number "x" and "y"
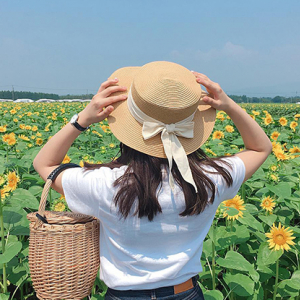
{"x": 63, "y": 250}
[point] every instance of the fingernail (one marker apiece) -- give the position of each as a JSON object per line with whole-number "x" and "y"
{"x": 116, "y": 79}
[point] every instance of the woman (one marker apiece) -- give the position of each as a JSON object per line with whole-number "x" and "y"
{"x": 157, "y": 201}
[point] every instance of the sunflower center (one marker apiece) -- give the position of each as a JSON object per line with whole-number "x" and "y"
{"x": 279, "y": 239}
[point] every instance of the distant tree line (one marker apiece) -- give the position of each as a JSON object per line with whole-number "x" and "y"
{"x": 36, "y": 96}
{"x": 277, "y": 99}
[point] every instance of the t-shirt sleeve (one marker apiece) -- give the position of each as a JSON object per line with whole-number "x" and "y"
{"x": 77, "y": 184}
{"x": 237, "y": 171}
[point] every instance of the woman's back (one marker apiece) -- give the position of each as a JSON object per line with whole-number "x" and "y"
{"x": 165, "y": 251}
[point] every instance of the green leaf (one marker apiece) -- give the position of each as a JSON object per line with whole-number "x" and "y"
{"x": 288, "y": 287}
{"x": 266, "y": 256}
{"x": 285, "y": 215}
{"x": 4, "y": 296}
{"x": 23, "y": 198}
{"x": 281, "y": 190}
{"x": 269, "y": 220}
{"x": 250, "y": 221}
{"x": 231, "y": 211}
{"x": 240, "y": 284}
{"x": 224, "y": 237}
{"x": 213, "y": 295}
{"x": 15, "y": 220}
{"x": 2, "y": 167}
{"x": 11, "y": 250}
{"x": 236, "y": 261}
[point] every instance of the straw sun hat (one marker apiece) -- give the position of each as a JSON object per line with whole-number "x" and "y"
{"x": 166, "y": 92}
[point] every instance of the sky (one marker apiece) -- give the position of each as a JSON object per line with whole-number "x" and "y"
{"x": 71, "y": 46}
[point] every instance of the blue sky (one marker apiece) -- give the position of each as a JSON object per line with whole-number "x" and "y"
{"x": 249, "y": 47}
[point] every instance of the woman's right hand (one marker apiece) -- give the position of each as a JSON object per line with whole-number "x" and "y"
{"x": 220, "y": 100}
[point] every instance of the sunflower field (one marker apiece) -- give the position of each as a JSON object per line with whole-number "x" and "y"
{"x": 252, "y": 249}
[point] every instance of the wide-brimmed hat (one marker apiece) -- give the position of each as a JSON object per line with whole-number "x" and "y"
{"x": 164, "y": 92}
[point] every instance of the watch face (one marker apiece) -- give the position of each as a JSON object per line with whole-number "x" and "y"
{"x": 74, "y": 119}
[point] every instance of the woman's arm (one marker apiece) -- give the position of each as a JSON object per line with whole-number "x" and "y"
{"x": 257, "y": 144}
{"x": 53, "y": 153}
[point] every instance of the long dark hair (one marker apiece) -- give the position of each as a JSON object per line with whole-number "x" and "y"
{"x": 143, "y": 178}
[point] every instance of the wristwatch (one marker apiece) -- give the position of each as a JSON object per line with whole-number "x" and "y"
{"x": 73, "y": 121}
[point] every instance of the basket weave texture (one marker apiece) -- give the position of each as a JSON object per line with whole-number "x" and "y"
{"x": 64, "y": 253}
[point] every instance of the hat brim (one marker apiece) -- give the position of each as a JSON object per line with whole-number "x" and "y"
{"x": 129, "y": 131}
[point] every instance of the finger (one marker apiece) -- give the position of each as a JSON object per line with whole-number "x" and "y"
{"x": 210, "y": 85}
{"x": 199, "y": 75}
{"x": 107, "y": 83}
{"x": 113, "y": 99}
{"x": 208, "y": 100}
{"x": 106, "y": 112}
{"x": 113, "y": 89}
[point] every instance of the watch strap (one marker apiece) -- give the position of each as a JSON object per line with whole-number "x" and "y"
{"x": 79, "y": 127}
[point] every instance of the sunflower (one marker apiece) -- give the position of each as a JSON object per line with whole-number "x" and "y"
{"x": 280, "y": 237}
{"x": 280, "y": 155}
{"x": 296, "y": 117}
{"x": 229, "y": 128}
{"x": 34, "y": 128}
{"x": 12, "y": 181}
{"x": 2, "y": 180}
{"x": 273, "y": 177}
{"x": 210, "y": 151}
{"x": 220, "y": 115}
{"x": 273, "y": 168}
{"x": 295, "y": 149}
{"x": 9, "y": 139}
{"x": 255, "y": 113}
{"x": 236, "y": 203}
{"x": 293, "y": 125}
{"x": 3, "y": 128}
{"x": 66, "y": 159}
{"x": 275, "y": 135}
{"x": 218, "y": 135}
{"x": 4, "y": 192}
{"x": 39, "y": 141}
{"x": 22, "y": 126}
{"x": 112, "y": 145}
{"x": 283, "y": 121}
{"x": 60, "y": 204}
{"x": 276, "y": 146}
{"x": 268, "y": 203}
{"x": 268, "y": 119}
{"x": 27, "y": 127}
{"x": 23, "y": 137}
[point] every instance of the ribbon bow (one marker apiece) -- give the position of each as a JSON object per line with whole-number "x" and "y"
{"x": 171, "y": 143}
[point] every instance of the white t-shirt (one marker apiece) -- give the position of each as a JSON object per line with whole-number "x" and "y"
{"x": 136, "y": 253}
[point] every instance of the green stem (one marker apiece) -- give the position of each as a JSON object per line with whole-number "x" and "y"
{"x": 231, "y": 230}
{"x": 276, "y": 280}
{"x": 213, "y": 260}
{"x": 243, "y": 191}
{"x": 3, "y": 246}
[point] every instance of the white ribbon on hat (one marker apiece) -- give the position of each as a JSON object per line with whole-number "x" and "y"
{"x": 169, "y": 133}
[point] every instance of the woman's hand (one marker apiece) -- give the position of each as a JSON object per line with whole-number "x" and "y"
{"x": 100, "y": 106}
{"x": 220, "y": 100}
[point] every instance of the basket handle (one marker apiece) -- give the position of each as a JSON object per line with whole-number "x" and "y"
{"x": 50, "y": 179}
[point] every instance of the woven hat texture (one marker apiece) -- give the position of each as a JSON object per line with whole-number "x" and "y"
{"x": 167, "y": 92}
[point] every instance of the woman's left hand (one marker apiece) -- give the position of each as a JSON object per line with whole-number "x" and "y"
{"x": 100, "y": 106}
